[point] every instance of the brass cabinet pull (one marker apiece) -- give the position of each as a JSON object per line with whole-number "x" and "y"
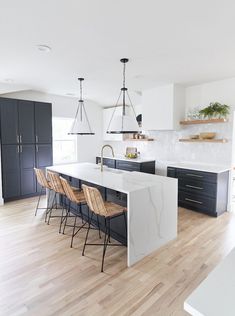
{"x": 18, "y": 149}
{"x": 36, "y": 148}
{"x": 17, "y": 138}
{"x": 193, "y": 187}
{"x": 20, "y": 139}
{"x": 36, "y": 138}
{"x": 194, "y": 201}
{"x": 21, "y": 149}
{"x": 194, "y": 175}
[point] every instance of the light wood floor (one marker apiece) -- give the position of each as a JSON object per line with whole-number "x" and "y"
{"x": 41, "y": 275}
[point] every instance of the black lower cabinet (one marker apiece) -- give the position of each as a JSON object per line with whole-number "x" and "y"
{"x": 43, "y": 159}
{"x": 27, "y": 176}
{"x": 147, "y": 167}
{"x": 18, "y": 162}
{"x": 10, "y": 171}
{"x": 204, "y": 192}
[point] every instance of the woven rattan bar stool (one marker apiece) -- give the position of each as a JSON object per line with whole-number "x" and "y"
{"x": 45, "y": 184}
{"x": 57, "y": 187}
{"x": 78, "y": 198}
{"x": 103, "y": 208}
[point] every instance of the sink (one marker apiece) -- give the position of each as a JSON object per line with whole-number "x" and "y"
{"x": 117, "y": 171}
{"x": 113, "y": 170}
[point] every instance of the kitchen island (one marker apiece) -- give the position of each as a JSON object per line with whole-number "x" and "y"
{"x": 151, "y": 203}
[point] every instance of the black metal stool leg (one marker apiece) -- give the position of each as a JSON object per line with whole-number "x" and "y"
{"x": 88, "y": 229}
{"x": 62, "y": 218}
{"x": 49, "y": 210}
{"x": 74, "y": 226}
{"x": 38, "y": 201}
{"x": 67, "y": 214}
{"x": 106, "y": 236}
{"x": 52, "y": 208}
{"x": 98, "y": 222}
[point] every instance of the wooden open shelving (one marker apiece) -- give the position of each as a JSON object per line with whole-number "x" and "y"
{"x": 140, "y": 140}
{"x": 188, "y": 122}
{"x": 223, "y": 140}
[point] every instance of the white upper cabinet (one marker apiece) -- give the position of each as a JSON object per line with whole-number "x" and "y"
{"x": 163, "y": 107}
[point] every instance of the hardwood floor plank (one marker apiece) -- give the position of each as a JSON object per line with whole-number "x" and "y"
{"x": 41, "y": 275}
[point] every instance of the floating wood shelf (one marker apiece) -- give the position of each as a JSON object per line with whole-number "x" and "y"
{"x": 140, "y": 140}
{"x": 223, "y": 140}
{"x": 188, "y": 122}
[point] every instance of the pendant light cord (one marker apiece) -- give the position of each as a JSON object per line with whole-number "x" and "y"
{"x": 124, "y": 75}
{"x": 80, "y": 89}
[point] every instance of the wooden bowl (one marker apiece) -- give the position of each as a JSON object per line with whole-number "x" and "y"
{"x": 207, "y": 135}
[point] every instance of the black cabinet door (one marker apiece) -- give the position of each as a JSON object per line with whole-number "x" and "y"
{"x": 43, "y": 123}
{"x": 11, "y": 171}
{"x": 26, "y": 122}
{"x": 127, "y": 165}
{"x": 27, "y": 163}
{"x": 171, "y": 172}
{"x": 9, "y": 121}
{"x": 43, "y": 158}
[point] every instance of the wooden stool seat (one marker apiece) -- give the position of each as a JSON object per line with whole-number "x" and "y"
{"x": 79, "y": 196}
{"x": 113, "y": 209}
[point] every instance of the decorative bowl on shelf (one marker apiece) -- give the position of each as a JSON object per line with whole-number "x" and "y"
{"x": 207, "y": 135}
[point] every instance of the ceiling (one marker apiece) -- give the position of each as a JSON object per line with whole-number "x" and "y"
{"x": 183, "y": 41}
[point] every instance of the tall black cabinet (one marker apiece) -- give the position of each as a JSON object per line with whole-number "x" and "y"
{"x": 26, "y": 142}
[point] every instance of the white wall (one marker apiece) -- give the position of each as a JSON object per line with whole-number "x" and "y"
{"x": 167, "y": 148}
{"x": 62, "y": 106}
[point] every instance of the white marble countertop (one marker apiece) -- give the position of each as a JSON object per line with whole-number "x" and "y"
{"x": 118, "y": 180}
{"x": 150, "y": 210}
{"x": 200, "y": 167}
{"x": 215, "y": 295}
{"x": 122, "y": 157}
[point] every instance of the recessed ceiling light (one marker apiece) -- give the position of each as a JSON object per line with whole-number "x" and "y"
{"x": 44, "y": 48}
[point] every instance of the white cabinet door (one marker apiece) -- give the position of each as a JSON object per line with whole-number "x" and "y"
{"x": 163, "y": 107}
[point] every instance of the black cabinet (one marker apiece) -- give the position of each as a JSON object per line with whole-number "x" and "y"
{"x": 27, "y": 163}
{"x": 26, "y": 122}
{"x": 10, "y": 171}
{"x": 26, "y": 142}
{"x": 43, "y": 158}
{"x": 127, "y": 165}
{"x": 43, "y": 126}
{"x": 9, "y": 121}
{"x": 111, "y": 163}
{"x": 147, "y": 167}
{"x": 205, "y": 192}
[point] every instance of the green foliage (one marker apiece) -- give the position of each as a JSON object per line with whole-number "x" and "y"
{"x": 215, "y": 109}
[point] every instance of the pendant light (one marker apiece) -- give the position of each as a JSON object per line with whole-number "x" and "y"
{"x": 124, "y": 123}
{"x": 81, "y": 124}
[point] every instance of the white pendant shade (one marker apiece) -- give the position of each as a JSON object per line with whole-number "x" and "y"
{"x": 123, "y": 124}
{"x": 81, "y": 125}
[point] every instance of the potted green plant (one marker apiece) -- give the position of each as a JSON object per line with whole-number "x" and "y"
{"x": 215, "y": 110}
